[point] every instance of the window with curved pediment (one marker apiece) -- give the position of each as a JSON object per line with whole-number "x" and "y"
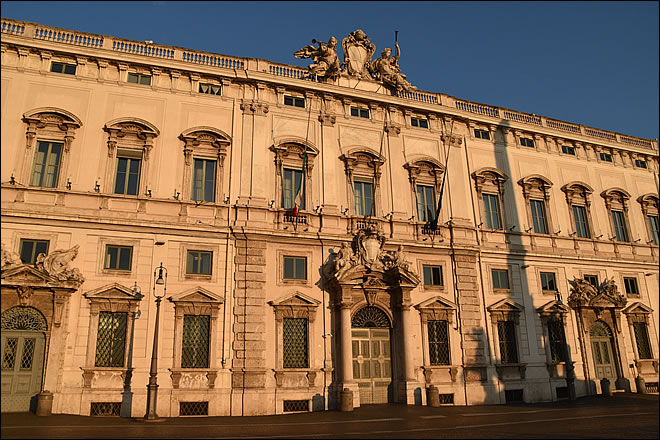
{"x": 425, "y": 177}
{"x": 205, "y": 150}
{"x": 130, "y": 141}
{"x": 49, "y": 135}
{"x": 363, "y": 171}
{"x": 578, "y": 198}
{"x": 291, "y": 157}
{"x": 536, "y": 191}
{"x": 489, "y": 184}
{"x": 649, "y": 204}
{"x": 616, "y": 202}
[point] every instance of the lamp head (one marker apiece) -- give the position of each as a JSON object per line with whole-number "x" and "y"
{"x": 161, "y": 269}
{"x": 558, "y": 298}
{"x": 137, "y": 292}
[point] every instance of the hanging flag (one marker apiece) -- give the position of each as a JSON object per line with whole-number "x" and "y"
{"x": 297, "y": 202}
{"x": 433, "y": 224}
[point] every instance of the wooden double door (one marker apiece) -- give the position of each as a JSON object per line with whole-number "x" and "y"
{"x": 372, "y": 364}
{"x": 22, "y": 368}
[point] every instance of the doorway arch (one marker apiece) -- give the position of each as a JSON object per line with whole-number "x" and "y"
{"x": 602, "y": 351}
{"x": 371, "y": 349}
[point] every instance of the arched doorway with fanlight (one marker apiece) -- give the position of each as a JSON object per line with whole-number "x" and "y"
{"x": 371, "y": 355}
{"x": 23, "y": 349}
{"x": 602, "y": 351}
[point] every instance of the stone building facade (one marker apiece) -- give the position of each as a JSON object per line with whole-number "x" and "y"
{"x": 125, "y": 163}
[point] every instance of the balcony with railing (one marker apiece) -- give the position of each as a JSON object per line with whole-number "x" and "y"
{"x": 35, "y": 31}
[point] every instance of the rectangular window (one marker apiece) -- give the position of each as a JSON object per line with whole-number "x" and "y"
{"x": 118, "y": 257}
{"x": 492, "y": 211}
{"x": 419, "y": 122}
{"x": 291, "y": 181}
{"x": 294, "y": 101}
{"x": 606, "y": 157}
{"x": 481, "y": 134}
{"x": 295, "y": 268}
{"x": 360, "y": 112}
{"x": 363, "y": 198}
{"x": 538, "y": 216}
{"x": 557, "y": 341}
{"x": 196, "y": 341}
{"x": 30, "y": 249}
{"x": 46, "y": 164}
{"x": 500, "y": 278}
{"x": 581, "y": 222}
{"x": 527, "y": 142}
{"x": 210, "y": 89}
{"x": 295, "y": 352}
{"x": 433, "y": 276}
{"x": 620, "y": 230}
{"x": 69, "y": 69}
{"x": 199, "y": 262}
{"x": 439, "y": 342}
{"x": 139, "y": 78}
{"x": 128, "y": 176}
{"x": 567, "y": 149}
{"x": 653, "y": 226}
{"x": 506, "y": 332}
{"x": 548, "y": 282}
{"x": 592, "y": 279}
{"x": 639, "y": 163}
{"x": 111, "y": 339}
{"x": 643, "y": 341}
{"x": 204, "y": 180}
{"x": 425, "y": 203}
{"x": 630, "y": 284}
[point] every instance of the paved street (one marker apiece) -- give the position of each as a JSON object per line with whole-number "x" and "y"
{"x": 621, "y": 416}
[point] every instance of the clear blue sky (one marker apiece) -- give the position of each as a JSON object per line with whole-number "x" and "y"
{"x": 594, "y": 63}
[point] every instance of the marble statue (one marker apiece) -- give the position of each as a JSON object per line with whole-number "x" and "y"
{"x": 386, "y": 69}
{"x": 326, "y": 62}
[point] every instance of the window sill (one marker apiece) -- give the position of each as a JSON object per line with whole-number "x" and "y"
{"x": 440, "y": 373}
{"x": 501, "y": 291}
{"x": 95, "y": 377}
{"x": 193, "y": 377}
{"x": 295, "y": 377}
{"x": 512, "y": 371}
{"x": 116, "y": 272}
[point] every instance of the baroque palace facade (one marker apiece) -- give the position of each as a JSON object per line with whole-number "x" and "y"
{"x": 133, "y": 171}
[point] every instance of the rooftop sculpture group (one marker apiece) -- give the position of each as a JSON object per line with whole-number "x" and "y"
{"x": 358, "y": 51}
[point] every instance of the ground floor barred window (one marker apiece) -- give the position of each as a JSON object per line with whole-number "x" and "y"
{"x": 439, "y": 342}
{"x": 506, "y": 331}
{"x": 111, "y": 339}
{"x": 295, "y": 349}
{"x": 195, "y": 343}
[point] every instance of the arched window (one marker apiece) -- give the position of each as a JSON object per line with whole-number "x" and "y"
{"x": 23, "y": 318}
{"x": 205, "y": 149}
{"x": 616, "y": 202}
{"x": 370, "y": 317}
{"x": 53, "y": 130}
{"x": 578, "y": 197}
{"x": 536, "y": 190}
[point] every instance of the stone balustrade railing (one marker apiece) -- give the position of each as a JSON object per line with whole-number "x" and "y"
{"x": 31, "y": 30}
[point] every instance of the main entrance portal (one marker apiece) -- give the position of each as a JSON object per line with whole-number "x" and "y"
{"x": 601, "y": 347}
{"x": 372, "y": 365}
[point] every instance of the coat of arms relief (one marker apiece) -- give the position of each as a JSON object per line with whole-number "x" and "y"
{"x": 358, "y": 53}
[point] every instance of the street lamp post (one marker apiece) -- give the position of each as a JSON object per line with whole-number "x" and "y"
{"x": 160, "y": 278}
{"x": 127, "y": 394}
{"x": 570, "y": 373}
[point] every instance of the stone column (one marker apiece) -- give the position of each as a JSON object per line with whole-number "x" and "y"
{"x": 346, "y": 346}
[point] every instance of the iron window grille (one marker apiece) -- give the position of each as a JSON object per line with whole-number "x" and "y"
{"x": 111, "y": 339}
{"x": 294, "y": 101}
{"x": 620, "y": 230}
{"x": 606, "y": 157}
{"x": 581, "y": 222}
{"x": 446, "y": 399}
{"x": 425, "y": 203}
{"x": 566, "y": 149}
{"x": 199, "y": 262}
{"x": 46, "y": 164}
{"x": 105, "y": 409}
{"x": 295, "y": 268}
{"x": 642, "y": 339}
{"x": 653, "y": 226}
{"x": 538, "y": 216}
{"x": 492, "y": 211}
{"x": 433, "y": 276}
{"x": 204, "y": 180}
{"x": 360, "y": 112}
{"x": 506, "y": 332}
{"x": 481, "y": 134}
{"x": 30, "y": 249}
{"x": 291, "y": 181}
{"x": 419, "y": 122}
{"x": 557, "y": 341}
{"x": 500, "y": 279}
{"x": 513, "y": 396}
{"x": 195, "y": 341}
{"x": 439, "y": 342}
{"x": 193, "y": 408}
{"x": 364, "y": 193}
{"x": 128, "y": 176}
{"x": 548, "y": 282}
{"x": 9, "y": 356}
{"x": 118, "y": 257}
{"x": 28, "y": 354}
{"x": 69, "y": 69}
{"x": 294, "y": 344}
{"x": 139, "y": 78}
{"x": 527, "y": 142}
{"x": 295, "y": 405}
{"x": 210, "y": 89}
